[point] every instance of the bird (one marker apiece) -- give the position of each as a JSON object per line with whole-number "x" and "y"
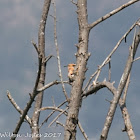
{"x": 71, "y": 72}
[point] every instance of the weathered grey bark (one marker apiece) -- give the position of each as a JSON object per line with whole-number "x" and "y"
{"x": 128, "y": 126}
{"x": 125, "y": 114}
{"x": 26, "y": 109}
{"x": 115, "y": 100}
{"x": 41, "y": 48}
{"x": 80, "y": 69}
{"x": 82, "y": 56}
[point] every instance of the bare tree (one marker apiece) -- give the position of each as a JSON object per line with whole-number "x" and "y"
{"x": 78, "y": 91}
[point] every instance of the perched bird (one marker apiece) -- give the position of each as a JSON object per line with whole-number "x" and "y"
{"x": 71, "y": 72}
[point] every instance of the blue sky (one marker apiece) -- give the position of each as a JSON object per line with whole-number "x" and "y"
{"x": 19, "y": 22}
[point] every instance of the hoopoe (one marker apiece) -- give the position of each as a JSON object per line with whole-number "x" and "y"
{"x": 71, "y": 72}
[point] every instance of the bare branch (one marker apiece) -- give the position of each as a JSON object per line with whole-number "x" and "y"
{"x": 57, "y": 117}
{"x": 125, "y": 114}
{"x": 97, "y": 72}
{"x": 109, "y": 72}
{"x": 73, "y": 2}
{"x": 126, "y": 89}
{"x": 32, "y": 97}
{"x": 82, "y": 130}
{"x": 51, "y": 114}
{"x": 48, "y": 58}
{"x": 57, "y": 51}
{"x": 35, "y": 46}
{"x": 90, "y": 79}
{"x": 121, "y": 85}
{"x": 40, "y": 77}
{"x": 63, "y": 112}
{"x": 57, "y": 122}
{"x": 99, "y": 86}
{"x": 136, "y": 59}
{"x": 51, "y": 84}
{"x": 52, "y": 108}
{"x": 17, "y": 107}
{"x": 108, "y": 101}
{"x": 127, "y": 122}
{"x": 112, "y": 109}
{"x": 112, "y": 13}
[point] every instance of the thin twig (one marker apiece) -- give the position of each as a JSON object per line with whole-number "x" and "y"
{"x": 108, "y": 101}
{"x": 51, "y": 84}
{"x": 122, "y": 83}
{"x": 32, "y": 97}
{"x": 91, "y": 77}
{"x": 73, "y": 2}
{"x": 57, "y": 51}
{"x": 48, "y": 58}
{"x": 57, "y": 122}
{"x": 99, "y": 86}
{"x": 35, "y": 46}
{"x": 97, "y": 72}
{"x": 57, "y": 117}
{"x": 52, "y": 108}
{"x": 115, "y": 48}
{"x": 112, "y": 13}
{"x": 17, "y": 107}
{"x": 109, "y": 72}
{"x": 51, "y": 114}
{"x": 136, "y": 59}
{"x": 122, "y": 104}
{"x": 82, "y": 130}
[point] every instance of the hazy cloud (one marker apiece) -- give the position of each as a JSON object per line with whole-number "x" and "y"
{"x": 18, "y": 13}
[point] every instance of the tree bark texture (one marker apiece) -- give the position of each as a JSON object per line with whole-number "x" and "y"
{"x": 128, "y": 126}
{"x": 41, "y": 49}
{"x": 76, "y": 95}
{"x": 115, "y": 100}
{"x": 80, "y": 69}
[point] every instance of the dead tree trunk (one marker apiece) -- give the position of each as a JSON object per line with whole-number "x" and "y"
{"x": 82, "y": 56}
{"x": 77, "y": 90}
{"x": 41, "y": 49}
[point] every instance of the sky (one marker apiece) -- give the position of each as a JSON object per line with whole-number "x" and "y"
{"x": 19, "y": 22}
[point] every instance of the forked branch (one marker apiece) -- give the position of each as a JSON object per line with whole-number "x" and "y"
{"x": 125, "y": 114}
{"x": 123, "y": 80}
{"x": 17, "y": 107}
{"x": 26, "y": 109}
{"x": 97, "y": 72}
{"x": 52, "y": 113}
